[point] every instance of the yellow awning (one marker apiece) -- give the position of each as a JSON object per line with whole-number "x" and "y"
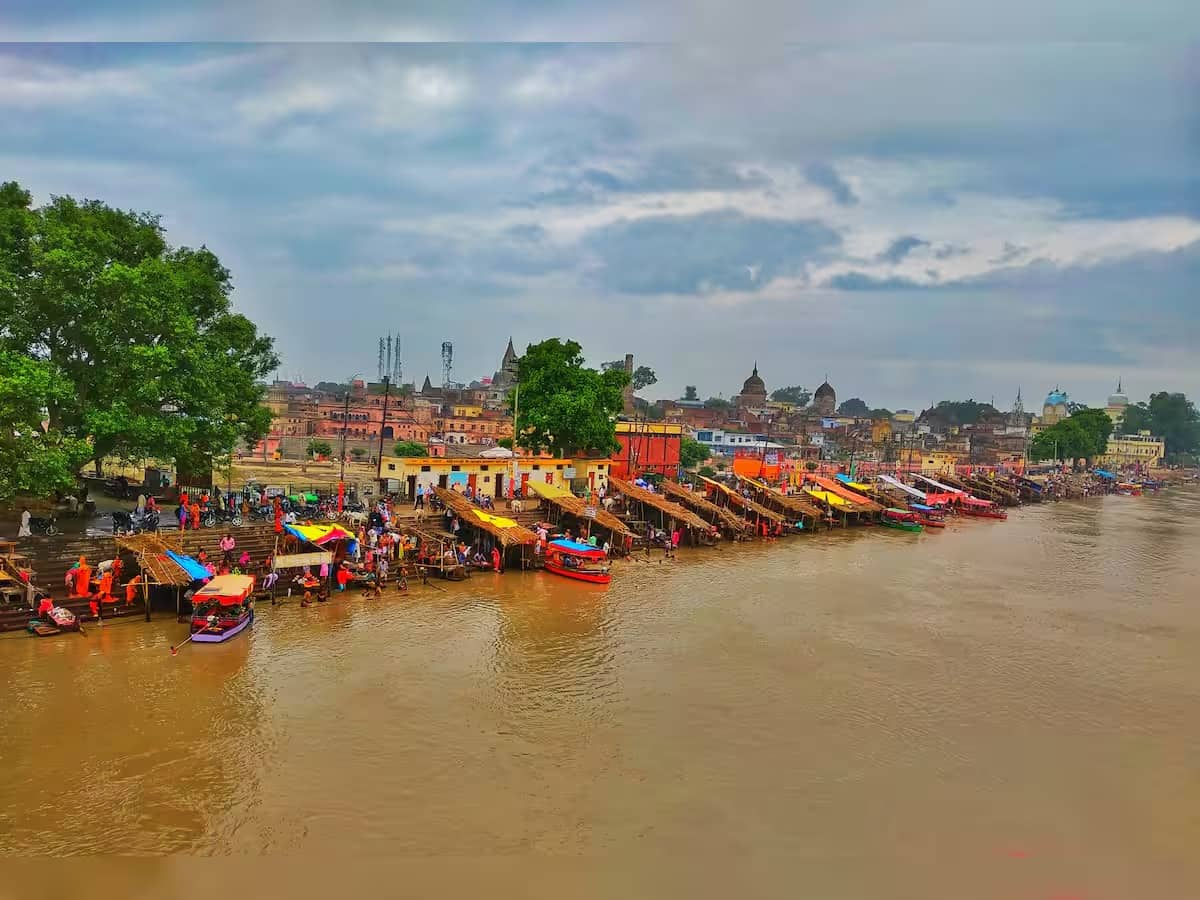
{"x": 498, "y": 521}
{"x": 831, "y": 499}
{"x": 549, "y": 491}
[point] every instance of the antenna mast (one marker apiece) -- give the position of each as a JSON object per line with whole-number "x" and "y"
{"x": 447, "y": 363}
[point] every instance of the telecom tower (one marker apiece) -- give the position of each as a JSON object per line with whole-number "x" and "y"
{"x": 397, "y": 370}
{"x": 381, "y": 371}
{"x": 447, "y": 363}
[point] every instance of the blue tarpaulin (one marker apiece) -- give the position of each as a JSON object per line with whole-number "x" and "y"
{"x": 194, "y": 570}
{"x": 1109, "y": 475}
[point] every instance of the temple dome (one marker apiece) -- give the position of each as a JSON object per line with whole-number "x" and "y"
{"x": 1119, "y": 398}
{"x": 754, "y": 384}
{"x": 825, "y": 390}
{"x": 1056, "y": 398}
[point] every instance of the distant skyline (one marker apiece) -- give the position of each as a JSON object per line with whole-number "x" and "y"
{"x": 1006, "y": 207}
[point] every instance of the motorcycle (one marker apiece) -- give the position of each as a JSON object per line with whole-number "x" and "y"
{"x": 129, "y": 523}
{"x": 44, "y": 525}
{"x": 210, "y": 517}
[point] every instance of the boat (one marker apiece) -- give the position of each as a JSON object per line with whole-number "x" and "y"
{"x": 571, "y": 559}
{"x": 929, "y": 516}
{"x": 54, "y": 621}
{"x": 222, "y": 609}
{"x": 981, "y": 509}
{"x": 901, "y": 520}
{"x": 1129, "y": 489}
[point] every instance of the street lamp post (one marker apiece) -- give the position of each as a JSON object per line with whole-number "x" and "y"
{"x": 345, "y": 419}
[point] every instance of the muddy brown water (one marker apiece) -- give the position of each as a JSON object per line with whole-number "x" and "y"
{"x": 1001, "y": 709}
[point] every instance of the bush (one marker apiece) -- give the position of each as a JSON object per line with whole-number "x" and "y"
{"x": 708, "y": 471}
{"x": 319, "y": 448}
{"x": 358, "y": 452}
{"x": 410, "y": 448}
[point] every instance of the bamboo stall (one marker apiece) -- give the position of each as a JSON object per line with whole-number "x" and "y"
{"x": 718, "y": 515}
{"x": 508, "y": 533}
{"x": 156, "y": 565}
{"x": 796, "y": 507}
{"x": 748, "y": 507}
{"x": 700, "y": 529}
{"x": 568, "y": 503}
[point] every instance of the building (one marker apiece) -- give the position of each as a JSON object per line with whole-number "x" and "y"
{"x": 493, "y": 471}
{"x": 1055, "y": 408}
{"x": 754, "y": 392}
{"x": 1117, "y": 404}
{"x": 1127, "y": 450}
{"x": 825, "y": 399}
{"x": 647, "y": 447}
{"x": 725, "y": 442}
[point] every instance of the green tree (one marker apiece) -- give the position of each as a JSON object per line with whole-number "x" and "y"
{"x": 855, "y": 406}
{"x": 643, "y": 376}
{"x": 358, "y": 452}
{"x": 319, "y": 448}
{"x": 143, "y": 333}
{"x": 880, "y": 413}
{"x": 707, "y": 471}
{"x": 961, "y": 412}
{"x": 689, "y": 392}
{"x": 34, "y": 461}
{"x": 717, "y": 403}
{"x": 565, "y": 406}
{"x": 692, "y": 453}
{"x": 796, "y": 395}
{"x": 1171, "y": 416}
{"x": 410, "y": 448}
{"x": 1083, "y": 435}
{"x": 506, "y": 443}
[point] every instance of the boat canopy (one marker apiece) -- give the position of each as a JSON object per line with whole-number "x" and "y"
{"x": 574, "y": 548}
{"x": 228, "y": 590}
{"x": 975, "y": 501}
{"x": 907, "y": 488}
{"x": 902, "y": 515}
{"x": 921, "y": 507}
{"x": 1103, "y": 474}
{"x": 940, "y": 486}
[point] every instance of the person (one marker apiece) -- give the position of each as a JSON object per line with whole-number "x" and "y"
{"x": 83, "y": 578}
{"x": 195, "y": 510}
{"x": 151, "y": 504}
{"x": 105, "y": 589}
{"x": 381, "y": 569}
{"x": 496, "y": 559}
{"x": 24, "y": 530}
{"x": 44, "y": 607}
{"x": 132, "y": 588}
{"x": 226, "y": 545}
{"x": 278, "y": 509}
{"x": 343, "y": 577}
{"x": 182, "y": 515}
{"x": 591, "y": 540}
{"x": 675, "y": 536}
{"x": 244, "y": 560}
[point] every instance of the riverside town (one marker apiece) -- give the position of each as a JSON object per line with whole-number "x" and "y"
{"x": 566, "y": 450}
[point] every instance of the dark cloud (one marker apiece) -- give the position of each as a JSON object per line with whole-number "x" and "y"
{"x": 861, "y": 281}
{"x": 825, "y": 176}
{"x": 901, "y": 247}
{"x": 947, "y": 251}
{"x": 716, "y": 250}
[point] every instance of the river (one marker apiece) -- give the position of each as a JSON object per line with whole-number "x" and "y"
{"x": 1001, "y": 709}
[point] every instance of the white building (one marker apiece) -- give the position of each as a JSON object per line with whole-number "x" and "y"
{"x": 723, "y": 442}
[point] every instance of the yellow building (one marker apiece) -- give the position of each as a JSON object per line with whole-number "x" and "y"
{"x": 881, "y": 431}
{"x": 1129, "y": 449}
{"x": 466, "y": 411}
{"x": 932, "y": 462}
{"x": 492, "y": 475}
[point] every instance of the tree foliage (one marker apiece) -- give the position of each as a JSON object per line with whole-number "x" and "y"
{"x": 692, "y": 453}
{"x": 880, "y": 413}
{"x": 564, "y": 406}
{"x": 961, "y": 412}
{"x": 689, "y": 392}
{"x": 142, "y": 332}
{"x": 34, "y": 461}
{"x": 717, "y": 403}
{"x": 410, "y": 448}
{"x": 643, "y": 376}
{"x": 796, "y": 395}
{"x": 1171, "y": 416}
{"x": 357, "y": 452}
{"x": 318, "y": 447}
{"x": 855, "y": 406}
{"x": 1083, "y": 435}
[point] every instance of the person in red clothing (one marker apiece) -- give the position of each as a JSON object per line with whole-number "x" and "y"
{"x": 195, "y": 511}
{"x": 278, "y": 516}
{"x": 343, "y": 577}
{"x": 105, "y": 590}
{"x": 496, "y": 560}
{"x": 44, "y": 607}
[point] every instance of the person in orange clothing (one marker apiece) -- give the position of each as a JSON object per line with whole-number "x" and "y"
{"x": 83, "y": 578}
{"x": 105, "y": 591}
{"x": 278, "y": 516}
{"x": 195, "y": 511}
{"x": 183, "y": 499}
{"x": 131, "y": 589}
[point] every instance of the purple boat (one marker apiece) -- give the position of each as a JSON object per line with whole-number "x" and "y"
{"x": 222, "y": 609}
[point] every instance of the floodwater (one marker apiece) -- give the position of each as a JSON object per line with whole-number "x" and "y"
{"x": 999, "y": 710}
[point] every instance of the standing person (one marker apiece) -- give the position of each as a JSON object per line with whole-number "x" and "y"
{"x": 195, "y": 516}
{"x": 141, "y": 505}
{"x": 497, "y": 559}
{"x": 420, "y": 503}
{"x": 226, "y": 544}
{"x": 343, "y": 577}
{"x": 182, "y": 514}
{"x": 24, "y": 530}
{"x": 675, "y": 536}
{"x": 278, "y": 516}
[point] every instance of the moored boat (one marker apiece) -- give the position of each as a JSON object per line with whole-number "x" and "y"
{"x": 582, "y": 562}
{"x": 980, "y": 509}
{"x": 1129, "y": 488}
{"x": 222, "y": 609}
{"x": 901, "y": 520}
{"x": 929, "y": 516}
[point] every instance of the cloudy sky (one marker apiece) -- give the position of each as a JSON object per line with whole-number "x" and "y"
{"x": 922, "y": 206}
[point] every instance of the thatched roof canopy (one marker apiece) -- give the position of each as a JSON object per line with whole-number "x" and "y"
{"x": 703, "y": 505}
{"x": 658, "y": 501}
{"x": 469, "y": 514}
{"x": 746, "y": 504}
{"x": 568, "y": 502}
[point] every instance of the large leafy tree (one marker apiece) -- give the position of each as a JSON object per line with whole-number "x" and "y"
{"x": 562, "y": 406}
{"x": 692, "y": 453}
{"x": 855, "y": 406}
{"x": 1083, "y": 435}
{"x": 157, "y": 362}
{"x": 34, "y": 461}
{"x": 960, "y": 412}
{"x": 797, "y": 395}
{"x": 1171, "y": 416}
{"x": 643, "y": 376}
{"x": 689, "y": 392}
{"x": 410, "y": 448}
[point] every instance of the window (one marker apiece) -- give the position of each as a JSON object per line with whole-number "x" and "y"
{"x": 456, "y": 468}
{"x": 483, "y": 468}
{"x": 559, "y": 467}
{"x": 391, "y": 468}
{"x": 426, "y": 468}
{"x": 536, "y": 468}
{"x": 487, "y": 477}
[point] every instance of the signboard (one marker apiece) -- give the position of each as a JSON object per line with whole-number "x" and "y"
{"x": 589, "y": 512}
{"x": 300, "y": 560}
{"x": 569, "y": 472}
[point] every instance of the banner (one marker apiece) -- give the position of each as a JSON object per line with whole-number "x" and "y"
{"x": 300, "y": 560}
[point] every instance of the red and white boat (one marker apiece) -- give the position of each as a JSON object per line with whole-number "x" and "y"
{"x": 582, "y": 562}
{"x": 982, "y": 509}
{"x": 222, "y": 609}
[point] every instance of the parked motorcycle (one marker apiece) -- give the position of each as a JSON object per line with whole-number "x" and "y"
{"x": 129, "y": 523}
{"x": 44, "y": 525}
{"x": 210, "y": 517}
